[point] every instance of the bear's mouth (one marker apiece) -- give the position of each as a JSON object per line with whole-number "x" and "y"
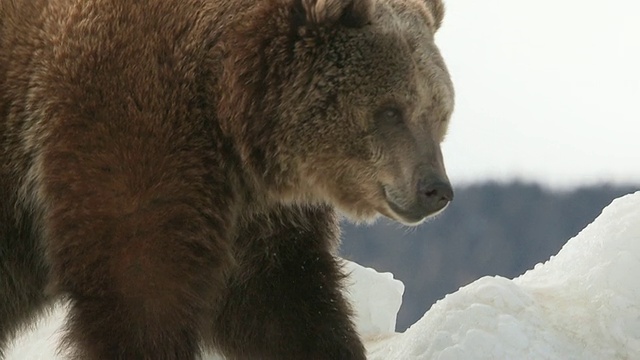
{"x": 408, "y": 210}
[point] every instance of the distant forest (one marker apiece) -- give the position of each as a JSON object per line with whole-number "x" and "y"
{"x": 489, "y": 229}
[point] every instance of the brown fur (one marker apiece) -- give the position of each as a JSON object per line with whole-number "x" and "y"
{"x": 171, "y": 168}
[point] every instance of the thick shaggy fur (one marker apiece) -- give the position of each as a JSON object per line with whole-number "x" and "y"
{"x": 171, "y": 168}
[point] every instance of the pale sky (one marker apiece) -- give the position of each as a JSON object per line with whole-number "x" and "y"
{"x": 546, "y": 90}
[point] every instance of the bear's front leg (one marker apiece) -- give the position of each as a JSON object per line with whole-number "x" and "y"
{"x": 286, "y": 301}
{"x": 141, "y": 286}
{"x": 142, "y": 254}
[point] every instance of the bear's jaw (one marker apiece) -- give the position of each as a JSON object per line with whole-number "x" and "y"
{"x": 412, "y": 208}
{"x": 401, "y": 216}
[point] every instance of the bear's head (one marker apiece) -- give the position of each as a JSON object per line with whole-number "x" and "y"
{"x": 341, "y": 101}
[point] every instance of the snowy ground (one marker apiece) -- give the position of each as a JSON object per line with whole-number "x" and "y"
{"x": 584, "y": 303}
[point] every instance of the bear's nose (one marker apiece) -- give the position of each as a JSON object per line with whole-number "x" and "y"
{"x": 434, "y": 194}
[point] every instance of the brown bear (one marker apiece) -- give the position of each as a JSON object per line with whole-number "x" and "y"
{"x": 172, "y": 168}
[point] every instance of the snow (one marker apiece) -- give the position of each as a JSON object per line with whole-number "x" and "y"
{"x": 584, "y": 303}
{"x": 378, "y": 297}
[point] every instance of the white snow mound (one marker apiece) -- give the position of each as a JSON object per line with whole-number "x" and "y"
{"x": 584, "y": 303}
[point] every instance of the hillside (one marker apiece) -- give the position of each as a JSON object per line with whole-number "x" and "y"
{"x": 489, "y": 229}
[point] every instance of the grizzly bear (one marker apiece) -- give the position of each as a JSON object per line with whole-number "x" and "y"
{"x": 172, "y": 169}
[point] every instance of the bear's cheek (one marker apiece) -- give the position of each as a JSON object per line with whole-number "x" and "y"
{"x": 352, "y": 185}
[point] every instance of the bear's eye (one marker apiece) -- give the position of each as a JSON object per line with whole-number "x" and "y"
{"x": 391, "y": 116}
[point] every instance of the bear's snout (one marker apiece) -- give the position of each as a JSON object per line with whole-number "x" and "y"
{"x": 429, "y": 196}
{"x": 434, "y": 195}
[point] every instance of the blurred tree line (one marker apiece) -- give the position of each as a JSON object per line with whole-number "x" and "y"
{"x": 489, "y": 229}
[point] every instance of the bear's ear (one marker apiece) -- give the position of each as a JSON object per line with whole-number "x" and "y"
{"x": 350, "y": 13}
{"x": 437, "y": 11}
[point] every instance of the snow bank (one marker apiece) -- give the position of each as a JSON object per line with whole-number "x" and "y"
{"x": 377, "y": 298}
{"x": 584, "y": 303}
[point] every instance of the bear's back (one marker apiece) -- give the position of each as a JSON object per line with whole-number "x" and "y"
{"x": 128, "y": 65}
{"x": 92, "y": 69}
